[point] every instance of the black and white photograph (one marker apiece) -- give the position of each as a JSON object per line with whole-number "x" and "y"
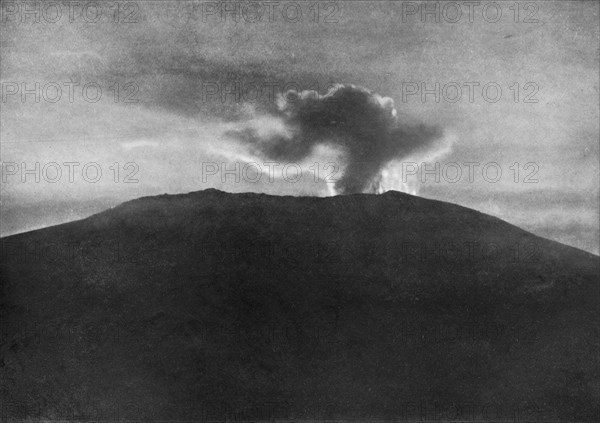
{"x": 309, "y": 211}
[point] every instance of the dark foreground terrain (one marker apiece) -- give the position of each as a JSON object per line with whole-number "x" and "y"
{"x": 243, "y": 307}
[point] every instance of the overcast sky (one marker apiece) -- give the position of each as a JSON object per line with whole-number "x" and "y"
{"x": 165, "y": 56}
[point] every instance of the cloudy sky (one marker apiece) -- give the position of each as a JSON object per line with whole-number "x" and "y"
{"x": 167, "y": 73}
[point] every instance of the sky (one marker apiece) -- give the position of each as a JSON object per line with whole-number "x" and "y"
{"x": 148, "y": 103}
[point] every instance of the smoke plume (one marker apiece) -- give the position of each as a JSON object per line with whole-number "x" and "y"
{"x": 364, "y": 124}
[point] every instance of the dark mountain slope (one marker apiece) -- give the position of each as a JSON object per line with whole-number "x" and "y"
{"x": 216, "y": 306}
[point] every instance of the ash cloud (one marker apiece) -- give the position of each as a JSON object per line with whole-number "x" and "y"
{"x": 364, "y": 124}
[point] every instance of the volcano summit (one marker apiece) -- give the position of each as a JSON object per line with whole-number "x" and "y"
{"x": 212, "y": 306}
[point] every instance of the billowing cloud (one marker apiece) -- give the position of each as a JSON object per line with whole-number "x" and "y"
{"x": 362, "y": 123}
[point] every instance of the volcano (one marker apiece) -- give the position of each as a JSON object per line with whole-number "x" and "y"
{"x": 211, "y": 306}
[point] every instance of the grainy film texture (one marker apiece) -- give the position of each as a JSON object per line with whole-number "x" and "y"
{"x": 299, "y": 211}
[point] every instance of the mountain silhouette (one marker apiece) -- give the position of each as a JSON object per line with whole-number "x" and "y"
{"x": 212, "y": 306}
